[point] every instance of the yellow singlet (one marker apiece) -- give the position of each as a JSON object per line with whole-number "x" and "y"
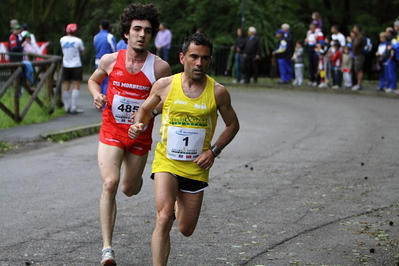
{"x": 187, "y": 128}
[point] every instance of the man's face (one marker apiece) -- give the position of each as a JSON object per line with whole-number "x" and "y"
{"x": 139, "y": 36}
{"x": 196, "y": 61}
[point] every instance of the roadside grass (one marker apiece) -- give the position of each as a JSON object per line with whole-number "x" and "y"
{"x": 35, "y": 114}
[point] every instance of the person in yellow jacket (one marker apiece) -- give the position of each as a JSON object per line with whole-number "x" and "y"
{"x": 183, "y": 157}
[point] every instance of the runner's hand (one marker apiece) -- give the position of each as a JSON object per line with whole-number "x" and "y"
{"x": 100, "y": 101}
{"x": 135, "y": 130}
{"x": 205, "y": 160}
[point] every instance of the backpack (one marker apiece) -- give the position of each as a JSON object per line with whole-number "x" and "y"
{"x": 368, "y": 45}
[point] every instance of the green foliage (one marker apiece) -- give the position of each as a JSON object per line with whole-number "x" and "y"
{"x": 219, "y": 19}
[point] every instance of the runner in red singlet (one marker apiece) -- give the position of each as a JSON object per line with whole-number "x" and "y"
{"x": 131, "y": 75}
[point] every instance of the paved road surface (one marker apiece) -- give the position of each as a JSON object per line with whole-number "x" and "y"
{"x": 311, "y": 179}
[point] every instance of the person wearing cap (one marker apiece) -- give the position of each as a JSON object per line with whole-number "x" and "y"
{"x": 15, "y": 44}
{"x": 251, "y": 54}
{"x": 27, "y": 46}
{"x": 104, "y": 43}
{"x": 281, "y": 54}
{"x": 25, "y": 31}
{"x": 72, "y": 50}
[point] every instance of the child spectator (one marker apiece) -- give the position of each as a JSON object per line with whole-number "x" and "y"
{"x": 346, "y": 67}
{"x": 382, "y": 60}
{"x": 326, "y": 53}
{"x": 316, "y": 19}
{"x": 320, "y": 65}
{"x": 298, "y": 63}
{"x": 336, "y": 59}
{"x": 28, "y": 47}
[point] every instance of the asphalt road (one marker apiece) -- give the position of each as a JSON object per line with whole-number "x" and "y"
{"x": 311, "y": 179}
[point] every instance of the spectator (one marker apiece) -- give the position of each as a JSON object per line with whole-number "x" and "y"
{"x": 317, "y": 20}
{"x": 251, "y": 54}
{"x": 281, "y": 54}
{"x": 121, "y": 45}
{"x": 346, "y": 67}
{"x": 28, "y": 47}
{"x": 337, "y": 35}
{"x": 163, "y": 41}
{"x": 326, "y": 53}
{"x": 382, "y": 55}
{"x": 290, "y": 48}
{"x": 358, "y": 44}
{"x": 15, "y": 44}
{"x": 391, "y": 63}
{"x": 31, "y": 35}
{"x": 13, "y": 23}
{"x": 336, "y": 61}
{"x": 238, "y": 48}
{"x": 313, "y": 36}
{"x": 72, "y": 49}
{"x": 321, "y": 72}
{"x": 395, "y": 43}
{"x": 104, "y": 43}
{"x": 299, "y": 63}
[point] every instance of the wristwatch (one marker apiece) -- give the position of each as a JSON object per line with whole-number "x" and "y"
{"x": 216, "y": 151}
{"x": 154, "y": 113}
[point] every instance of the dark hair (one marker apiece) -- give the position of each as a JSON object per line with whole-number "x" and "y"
{"x": 336, "y": 43}
{"x": 358, "y": 26}
{"x": 197, "y": 39}
{"x": 300, "y": 41}
{"x": 139, "y": 12}
{"x": 104, "y": 24}
{"x": 164, "y": 24}
{"x": 243, "y": 32}
{"x": 335, "y": 26}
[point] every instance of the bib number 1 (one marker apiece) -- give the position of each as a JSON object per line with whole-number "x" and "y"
{"x": 185, "y": 144}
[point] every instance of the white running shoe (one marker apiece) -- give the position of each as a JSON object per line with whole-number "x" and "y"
{"x": 356, "y": 88}
{"x": 108, "y": 257}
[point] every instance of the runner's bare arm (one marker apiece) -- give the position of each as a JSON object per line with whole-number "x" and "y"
{"x": 104, "y": 67}
{"x": 158, "y": 94}
{"x": 226, "y": 110}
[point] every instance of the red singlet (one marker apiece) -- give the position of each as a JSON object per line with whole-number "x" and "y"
{"x": 125, "y": 94}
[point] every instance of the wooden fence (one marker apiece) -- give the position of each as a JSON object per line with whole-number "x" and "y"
{"x": 47, "y": 75}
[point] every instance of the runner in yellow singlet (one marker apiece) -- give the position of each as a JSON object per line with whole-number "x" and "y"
{"x": 183, "y": 157}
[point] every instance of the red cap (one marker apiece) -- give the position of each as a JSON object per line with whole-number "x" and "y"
{"x": 71, "y": 28}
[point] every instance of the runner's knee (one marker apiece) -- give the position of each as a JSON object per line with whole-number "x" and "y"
{"x": 110, "y": 186}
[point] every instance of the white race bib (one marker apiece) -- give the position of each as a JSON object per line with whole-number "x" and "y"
{"x": 184, "y": 144}
{"x": 123, "y": 108}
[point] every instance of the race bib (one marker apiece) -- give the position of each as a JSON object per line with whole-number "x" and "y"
{"x": 123, "y": 108}
{"x": 184, "y": 144}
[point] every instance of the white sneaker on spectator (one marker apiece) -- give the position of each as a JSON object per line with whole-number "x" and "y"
{"x": 322, "y": 85}
{"x": 356, "y": 88}
{"x": 314, "y": 84}
{"x": 388, "y": 90}
{"x": 235, "y": 81}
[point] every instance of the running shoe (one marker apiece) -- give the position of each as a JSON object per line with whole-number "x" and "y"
{"x": 108, "y": 257}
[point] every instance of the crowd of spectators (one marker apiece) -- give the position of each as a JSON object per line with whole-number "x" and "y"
{"x": 331, "y": 60}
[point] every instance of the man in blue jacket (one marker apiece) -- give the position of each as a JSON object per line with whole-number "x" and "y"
{"x": 104, "y": 43}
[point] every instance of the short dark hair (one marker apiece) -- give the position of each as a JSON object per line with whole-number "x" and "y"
{"x": 139, "y": 12}
{"x": 197, "y": 39}
{"x": 104, "y": 24}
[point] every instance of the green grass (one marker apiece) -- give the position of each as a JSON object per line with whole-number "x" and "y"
{"x": 35, "y": 114}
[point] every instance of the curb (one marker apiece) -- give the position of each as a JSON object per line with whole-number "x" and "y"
{"x": 72, "y": 133}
